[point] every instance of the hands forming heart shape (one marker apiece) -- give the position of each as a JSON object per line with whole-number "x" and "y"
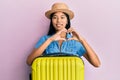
{"x": 65, "y": 34}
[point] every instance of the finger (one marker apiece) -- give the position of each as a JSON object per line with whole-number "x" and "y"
{"x": 60, "y": 39}
{"x": 64, "y": 30}
{"x": 70, "y": 39}
{"x": 73, "y": 38}
{"x": 70, "y": 30}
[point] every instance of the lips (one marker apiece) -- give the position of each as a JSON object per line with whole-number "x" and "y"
{"x": 58, "y": 25}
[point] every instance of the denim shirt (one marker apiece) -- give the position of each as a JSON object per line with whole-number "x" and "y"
{"x": 71, "y": 47}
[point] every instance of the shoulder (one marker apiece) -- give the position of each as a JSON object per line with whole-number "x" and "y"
{"x": 41, "y": 40}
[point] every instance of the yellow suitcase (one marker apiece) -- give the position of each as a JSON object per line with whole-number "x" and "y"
{"x": 58, "y": 68}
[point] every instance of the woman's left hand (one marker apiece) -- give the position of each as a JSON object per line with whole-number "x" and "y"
{"x": 75, "y": 35}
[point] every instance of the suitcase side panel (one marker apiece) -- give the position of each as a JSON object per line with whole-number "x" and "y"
{"x": 58, "y": 68}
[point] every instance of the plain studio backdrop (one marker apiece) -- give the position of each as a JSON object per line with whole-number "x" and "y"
{"x": 22, "y": 23}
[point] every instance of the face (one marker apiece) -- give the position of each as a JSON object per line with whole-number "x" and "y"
{"x": 59, "y": 21}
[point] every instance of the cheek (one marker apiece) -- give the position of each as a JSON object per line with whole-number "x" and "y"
{"x": 53, "y": 22}
{"x": 65, "y": 22}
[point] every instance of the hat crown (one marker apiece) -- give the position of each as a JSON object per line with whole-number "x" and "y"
{"x": 59, "y": 6}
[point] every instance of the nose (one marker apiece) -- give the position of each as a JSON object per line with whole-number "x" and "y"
{"x": 58, "y": 19}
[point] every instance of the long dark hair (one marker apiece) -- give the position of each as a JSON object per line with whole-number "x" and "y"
{"x": 52, "y": 29}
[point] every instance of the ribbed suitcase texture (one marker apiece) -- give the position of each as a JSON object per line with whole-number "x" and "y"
{"x": 58, "y": 68}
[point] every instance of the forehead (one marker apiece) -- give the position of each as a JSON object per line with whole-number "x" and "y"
{"x": 59, "y": 14}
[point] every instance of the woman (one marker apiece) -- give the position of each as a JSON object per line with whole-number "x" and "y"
{"x": 61, "y": 38}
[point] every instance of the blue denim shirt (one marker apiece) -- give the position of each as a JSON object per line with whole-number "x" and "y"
{"x": 71, "y": 47}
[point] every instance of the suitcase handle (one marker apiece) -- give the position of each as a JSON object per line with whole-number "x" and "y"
{"x": 58, "y": 55}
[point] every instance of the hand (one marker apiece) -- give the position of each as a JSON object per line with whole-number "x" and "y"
{"x": 60, "y": 35}
{"x": 75, "y": 35}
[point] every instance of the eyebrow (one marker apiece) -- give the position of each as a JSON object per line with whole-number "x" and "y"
{"x": 56, "y": 15}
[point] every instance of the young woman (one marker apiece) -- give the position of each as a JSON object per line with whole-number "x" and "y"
{"x": 62, "y": 38}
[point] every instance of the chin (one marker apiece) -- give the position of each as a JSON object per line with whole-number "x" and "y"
{"x": 58, "y": 29}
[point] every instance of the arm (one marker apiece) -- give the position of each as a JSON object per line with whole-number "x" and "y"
{"x": 90, "y": 55}
{"x": 38, "y": 52}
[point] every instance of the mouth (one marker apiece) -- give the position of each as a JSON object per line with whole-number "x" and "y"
{"x": 59, "y": 25}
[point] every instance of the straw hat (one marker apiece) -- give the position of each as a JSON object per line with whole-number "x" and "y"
{"x": 62, "y": 7}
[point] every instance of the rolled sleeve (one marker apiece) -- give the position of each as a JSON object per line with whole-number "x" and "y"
{"x": 40, "y": 42}
{"x": 82, "y": 50}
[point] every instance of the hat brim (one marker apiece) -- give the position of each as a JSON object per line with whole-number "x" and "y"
{"x": 69, "y": 12}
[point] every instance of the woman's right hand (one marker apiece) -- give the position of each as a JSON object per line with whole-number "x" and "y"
{"x": 60, "y": 35}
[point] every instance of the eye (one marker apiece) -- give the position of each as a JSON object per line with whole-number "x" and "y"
{"x": 54, "y": 17}
{"x": 63, "y": 17}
